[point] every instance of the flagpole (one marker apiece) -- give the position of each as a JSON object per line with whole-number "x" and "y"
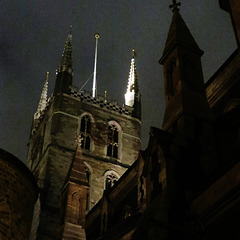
{"x": 94, "y": 90}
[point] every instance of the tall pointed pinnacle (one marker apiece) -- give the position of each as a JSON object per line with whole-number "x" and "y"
{"x": 77, "y": 172}
{"x": 43, "y": 99}
{"x": 76, "y": 184}
{"x": 132, "y": 87}
{"x": 94, "y": 90}
{"x": 133, "y": 96}
{"x": 65, "y": 71}
{"x": 179, "y": 34}
{"x": 66, "y": 59}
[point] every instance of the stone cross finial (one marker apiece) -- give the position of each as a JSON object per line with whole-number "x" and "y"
{"x": 175, "y": 5}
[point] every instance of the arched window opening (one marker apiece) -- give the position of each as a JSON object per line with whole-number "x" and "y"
{"x": 85, "y": 130}
{"x": 110, "y": 180}
{"x": 170, "y": 87}
{"x": 112, "y": 148}
{"x": 75, "y": 207}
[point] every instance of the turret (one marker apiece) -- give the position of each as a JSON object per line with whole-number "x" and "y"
{"x": 132, "y": 95}
{"x": 187, "y": 114}
{"x": 74, "y": 198}
{"x": 183, "y": 77}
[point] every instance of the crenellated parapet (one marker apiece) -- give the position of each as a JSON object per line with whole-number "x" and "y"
{"x": 99, "y": 101}
{"x": 84, "y": 97}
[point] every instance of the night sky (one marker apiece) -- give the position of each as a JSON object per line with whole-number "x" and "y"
{"x": 33, "y": 34}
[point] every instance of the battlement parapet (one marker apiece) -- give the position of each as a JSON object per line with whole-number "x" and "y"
{"x": 100, "y": 101}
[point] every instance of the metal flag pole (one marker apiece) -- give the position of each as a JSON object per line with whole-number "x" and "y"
{"x": 94, "y": 90}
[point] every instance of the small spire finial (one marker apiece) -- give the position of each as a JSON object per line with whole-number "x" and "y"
{"x": 97, "y": 36}
{"x": 175, "y": 6}
{"x": 70, "y": 29}
{"x": 133, "y": 53}
{"x": 79, "y": 141}
{"x": 105, "y": 96}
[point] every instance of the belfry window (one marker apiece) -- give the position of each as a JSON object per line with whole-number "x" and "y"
{"x": 85, "y": 130}
{"x": 112, "y": 147}
{"x": 110, "y": 180}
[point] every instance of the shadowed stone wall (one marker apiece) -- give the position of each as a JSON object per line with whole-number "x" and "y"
{"x": 18, "y": 194}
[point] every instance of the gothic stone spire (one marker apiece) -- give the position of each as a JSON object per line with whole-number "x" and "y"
{"x": 74, "y": 198}
{"x": 132, "y": 87}
{"x": 183, "y": 77}
{"x": 43, "y": 99}
{"x": 77, "y": 171}
{"x": 66, "y": 59}
{"x": 65, "y": 71}
{"x": 179, "y": 34}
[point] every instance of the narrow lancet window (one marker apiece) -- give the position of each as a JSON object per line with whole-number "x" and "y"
{"x": 88, "y": 174}
{"x": 112, "y": 148}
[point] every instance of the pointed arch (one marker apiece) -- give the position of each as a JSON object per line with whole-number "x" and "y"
{"x": 86, "y": 122}
{"x": 114, "y": 140}
{"x": 75, "y": 205}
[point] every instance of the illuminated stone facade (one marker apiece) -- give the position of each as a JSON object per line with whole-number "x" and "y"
{"x": 184, "y": 185}
{"x": 110, "y": 144}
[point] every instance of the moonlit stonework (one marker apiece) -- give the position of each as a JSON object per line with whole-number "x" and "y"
{"x": 129, "y": 95}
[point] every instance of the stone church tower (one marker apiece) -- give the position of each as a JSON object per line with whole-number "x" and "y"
{"x": 187, "y": 113}
{"x": 110, "y": 143}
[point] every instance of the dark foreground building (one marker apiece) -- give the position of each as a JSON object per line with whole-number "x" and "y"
{"x": 96, "y": 183}
{"x": 18, "y": 194}
{"x": 186, "y": 184}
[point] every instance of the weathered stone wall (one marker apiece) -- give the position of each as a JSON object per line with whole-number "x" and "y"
{"x": 18, "y": 194}
{"x": 224, "y": 84}
{"x": 53, "y": 143}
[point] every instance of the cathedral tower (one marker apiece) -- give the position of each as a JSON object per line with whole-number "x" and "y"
{"x": 110, "y": 143}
